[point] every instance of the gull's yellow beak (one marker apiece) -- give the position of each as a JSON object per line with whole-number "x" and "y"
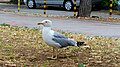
{"x": 40, "y": 23}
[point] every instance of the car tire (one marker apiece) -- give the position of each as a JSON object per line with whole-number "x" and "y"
{"x": 68, "y": 5}
{"x": 31, "y": 4}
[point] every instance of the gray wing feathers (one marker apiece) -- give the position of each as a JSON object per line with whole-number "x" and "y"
{"x": 58, "y": 35}
{"x": 64, "y": 42}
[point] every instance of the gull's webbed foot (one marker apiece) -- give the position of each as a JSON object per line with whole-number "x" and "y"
{"x": 54, "y": 54}
{"x": 52, "y": 58}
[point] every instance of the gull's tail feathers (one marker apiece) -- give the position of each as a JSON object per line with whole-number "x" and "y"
{"x": 80, "y": 44}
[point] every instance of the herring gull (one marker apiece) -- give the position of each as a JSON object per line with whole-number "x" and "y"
{"x": 55, "y": 39}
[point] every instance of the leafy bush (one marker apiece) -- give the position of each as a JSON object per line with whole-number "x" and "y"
{"x": 105, "y": 3}
{"x": 15, "y": 1}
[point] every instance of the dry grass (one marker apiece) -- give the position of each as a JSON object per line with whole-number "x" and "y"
{"x": 24, "y": 47}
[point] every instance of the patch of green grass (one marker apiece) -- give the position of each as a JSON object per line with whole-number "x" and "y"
{"x": 116, "y": 49}
{"x": 25, "y": 65}
{"x": 4, "y": 24}
{"x": 81, "y": 65}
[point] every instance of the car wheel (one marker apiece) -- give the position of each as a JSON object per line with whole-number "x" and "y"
{"x": 31, "y": 4}
{"x": 68, "y": 5}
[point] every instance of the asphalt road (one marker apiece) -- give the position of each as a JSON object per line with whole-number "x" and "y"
{"x": 88, "y": 27}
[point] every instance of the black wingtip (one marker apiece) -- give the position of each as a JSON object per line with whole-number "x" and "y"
{"x": 80, "y": 44}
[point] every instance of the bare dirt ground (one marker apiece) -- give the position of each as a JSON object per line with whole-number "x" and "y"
{"x": 24, "y": 47}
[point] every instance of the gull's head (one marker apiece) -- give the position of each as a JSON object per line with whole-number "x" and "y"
{"x": 45, "y": 23}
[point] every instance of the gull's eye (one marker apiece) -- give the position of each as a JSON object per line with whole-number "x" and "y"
{"x": 46, "y": 22}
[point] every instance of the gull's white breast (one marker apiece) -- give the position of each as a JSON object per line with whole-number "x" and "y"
{"x": 47, "y": 35}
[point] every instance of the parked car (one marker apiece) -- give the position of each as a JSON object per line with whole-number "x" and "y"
{"x": 118, "y": 5}
{"x": 25, "y": 1}
{"x": 67, "y": 4}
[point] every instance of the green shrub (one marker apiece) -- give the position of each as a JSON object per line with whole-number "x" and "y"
{"x": 105, "y": 3}
{"x": 15, "y": 1}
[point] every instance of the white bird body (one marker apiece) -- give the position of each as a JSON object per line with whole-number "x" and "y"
{"x": 55, "y": 39}
{"x": 47, "y": 35}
